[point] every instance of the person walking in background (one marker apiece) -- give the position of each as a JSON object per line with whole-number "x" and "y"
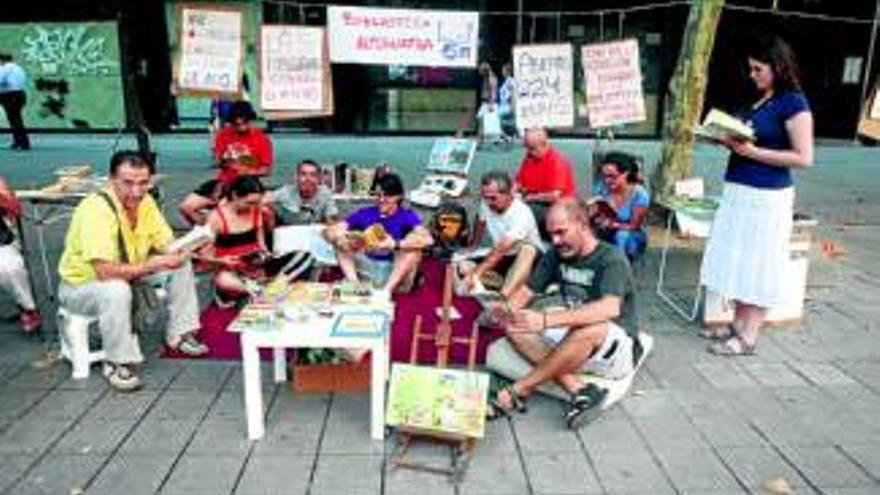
{"x": 13, "y": 98}
{"x": 747, "y": 254}
{"x": 506, "y": 97}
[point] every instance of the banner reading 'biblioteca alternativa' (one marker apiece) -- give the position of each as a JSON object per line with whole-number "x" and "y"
{"x": 378, "y": 36}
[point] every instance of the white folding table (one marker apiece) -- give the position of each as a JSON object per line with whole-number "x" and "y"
{"x": 313, "y": 330}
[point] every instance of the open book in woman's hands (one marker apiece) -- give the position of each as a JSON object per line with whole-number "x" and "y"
{"x": 192, "y": 240}
{"x": 719, "y": 125}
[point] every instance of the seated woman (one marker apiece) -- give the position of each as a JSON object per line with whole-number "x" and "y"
{"x": 13, "y": 272}
{"x": 392, "y": 259}
{"x": 239, "y": 248}
{"x": 629, "y": 200}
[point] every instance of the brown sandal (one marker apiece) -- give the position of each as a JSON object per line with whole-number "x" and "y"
{"x": 722, "y": 333}
{"x": 734, "y": 345}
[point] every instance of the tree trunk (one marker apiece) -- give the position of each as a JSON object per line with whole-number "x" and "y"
{"x": 687, "y": 90}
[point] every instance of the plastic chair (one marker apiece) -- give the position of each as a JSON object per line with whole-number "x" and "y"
{"x": 74, "y": 332}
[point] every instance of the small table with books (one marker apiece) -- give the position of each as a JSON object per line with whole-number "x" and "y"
{"x": 315, "y": 315}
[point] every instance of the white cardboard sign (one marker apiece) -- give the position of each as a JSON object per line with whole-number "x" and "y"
{"x": 291, "y": 67}
{"x": 210, "y": 50}
{"x": 544, "y": 85}
{"x": 614, "y": 83}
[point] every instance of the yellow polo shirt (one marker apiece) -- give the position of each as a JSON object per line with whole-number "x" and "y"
{"x": 92, "y": 235}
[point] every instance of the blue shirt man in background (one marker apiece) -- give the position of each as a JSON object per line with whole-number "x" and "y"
{"x": 13, "y": 99}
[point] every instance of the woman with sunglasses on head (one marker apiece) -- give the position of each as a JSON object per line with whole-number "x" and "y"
{"x": 746, "y": 258}
{"x": 628, "y": 199}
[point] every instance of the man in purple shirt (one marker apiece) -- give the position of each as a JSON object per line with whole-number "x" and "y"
{"x": 390, "y": 260}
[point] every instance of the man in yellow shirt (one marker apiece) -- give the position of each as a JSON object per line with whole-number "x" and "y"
{"x": 96, "y": 278}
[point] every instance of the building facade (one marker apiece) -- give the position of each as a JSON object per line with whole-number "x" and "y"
{"x": 832, "y": 39}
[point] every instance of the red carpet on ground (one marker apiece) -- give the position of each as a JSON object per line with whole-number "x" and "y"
{"x": 422, "y": 301}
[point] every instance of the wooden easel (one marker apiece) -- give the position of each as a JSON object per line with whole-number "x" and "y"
{"x": 462, "y": 447}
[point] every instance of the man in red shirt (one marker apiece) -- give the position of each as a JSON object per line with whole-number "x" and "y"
{"x": 544, "y": 176}
{"x": 243, "y": 143}
{"x": 240, "y": 149}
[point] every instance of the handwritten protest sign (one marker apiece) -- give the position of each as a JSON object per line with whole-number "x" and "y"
{"x": 614, "y": 83}
{"x": 427, "y": 38}
{"x": 544, "y": 85}
{"x": 210, "y": 51}
{"x": 291, "y": 67}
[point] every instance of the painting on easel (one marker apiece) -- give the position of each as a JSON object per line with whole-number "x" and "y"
{"x": 439, "y": 400}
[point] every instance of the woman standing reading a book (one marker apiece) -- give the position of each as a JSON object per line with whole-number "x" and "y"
{"x": 747, "y": 254}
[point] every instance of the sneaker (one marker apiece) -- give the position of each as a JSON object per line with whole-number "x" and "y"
{"x": 586, "y": 405}
{"x": 189, "y": 346}
{"x": 121, "y": 377}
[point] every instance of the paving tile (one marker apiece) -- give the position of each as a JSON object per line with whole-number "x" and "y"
{"x": 608, "y": 434}
{"x": 92, "y": 436}
{"x": 724, "y": 375}
{"x": 826, "y": 467}
{"x": 24, "y": 400}
{"x": 727, "y": 429}
{"x": 630, "y": 472}
{"x": 670, "y": 432}
{"x": 276, "y": 475}
{"x": 132, "y": 475}
{"x": 862, "y": 490}
{"x": 31, "y": 435}
{"x": 866, "y": 455}
{"x": 59, "y": 474}
{"x": 561, "y": 473}
{"x": 401, "y": 481}
{"x": 773, "y": 374}
{"x": 654, "y": 404}
{"x": 64, "y": 404}
{"x": 343, "y": 437}
{"x": 755, "y": 466}
{"x": 289, "y": 436}
{"x": 119, "y": 406}
{"x": 786, "y": 429}
{"x": 39, "y": 379}
{"x": 823, "y": 374}
{"x": 220, "y": 436}
{"x": 363, "y": 475}
{"x": 159, "y": 436}
{"x": 12, "y": 467}
{"x": 493, "y": 474}
{"x": 696, "y": 469}
{"x": 545, "y": 434}
{"x": 181, "y": 405}
{"x": 197, "y": 474}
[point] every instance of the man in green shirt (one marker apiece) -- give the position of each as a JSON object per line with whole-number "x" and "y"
{"x": 589, "y": 326}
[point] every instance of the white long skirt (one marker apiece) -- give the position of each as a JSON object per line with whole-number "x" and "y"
{"x": 747, "y": 255}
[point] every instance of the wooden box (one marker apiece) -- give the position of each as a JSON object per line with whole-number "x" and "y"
{"x": 330, "y": 377}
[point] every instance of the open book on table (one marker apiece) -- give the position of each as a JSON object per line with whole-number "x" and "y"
{"x": 718, "y": 124}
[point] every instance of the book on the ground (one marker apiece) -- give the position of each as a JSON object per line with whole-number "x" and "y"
{"x": 192, "y": 240}
{"x": 438, "y": 400}
{"x": 718, "y": 124}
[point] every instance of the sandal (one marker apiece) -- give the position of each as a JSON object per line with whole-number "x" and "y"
{"x": 586, "y": 405}
{"x": 498, "y": 409}
{"x": 722, "y": 333}
{"x": 734, "y": 345}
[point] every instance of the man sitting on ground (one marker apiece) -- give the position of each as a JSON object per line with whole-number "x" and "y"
{"x": 593, "y": 329}
{"x": 239, "y": 149}
{"x": 516, "y": 243}
{"x": 306, "y": 200}
{"x": 97, "y": 277}
{"x": 390, "y": 259}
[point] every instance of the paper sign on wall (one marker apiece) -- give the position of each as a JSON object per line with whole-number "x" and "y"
{"x": 210, "y": 51}
{"x": 613, "y": 83}
{"x": 544, "y": 85}
{"x": 291, "y": 67}
{"x": 427, "y": 38}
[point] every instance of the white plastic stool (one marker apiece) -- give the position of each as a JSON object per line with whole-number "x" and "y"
{"x": 74, "y": 331}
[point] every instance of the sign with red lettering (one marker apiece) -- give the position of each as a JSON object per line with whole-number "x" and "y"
{"x": 291, "y": 67}
{"x": 544, "y": 85}
{"x": 210, "y": 51}
{"x": 426, "y": 38}
{"x": 613, "y": 78}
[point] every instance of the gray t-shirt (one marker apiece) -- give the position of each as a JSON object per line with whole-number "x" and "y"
{"x": 581, "y": 280}
{"x": 294, "y": 210}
